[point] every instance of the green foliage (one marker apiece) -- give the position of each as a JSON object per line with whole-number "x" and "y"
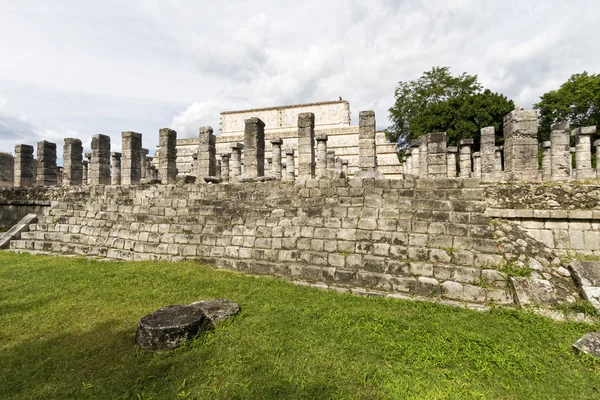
{"x": 68, "y": 328}
{"x": 440, "y": 102}
{"x": 577, "y": 101}
{"x": 515, "y": 271}
{"x": 580, "y": 306}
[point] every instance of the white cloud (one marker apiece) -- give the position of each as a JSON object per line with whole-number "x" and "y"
{"x": 113, "y": 65}
{"x": 200, "y": 113}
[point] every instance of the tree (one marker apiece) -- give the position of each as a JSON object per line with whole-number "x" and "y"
{"x": 577, "y": 101}
{"x": 437, "y": 101}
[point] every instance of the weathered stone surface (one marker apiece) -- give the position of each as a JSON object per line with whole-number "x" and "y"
{"x": 321, "y": 155}
{"x": 465, "y": 165}
{"x": 131, "y": 162}
{"x": 254, "y": 147}
{"x": 167, "y": 156}
{"x": 589, "y": 344}
{"x": 488, "y": 154}
{"x": 99, "y": 168}
{"x": 306, "y": 145}
{"x": 521, "y": 145}
{"x": 530, "y": 291}
{"x": 7, "y": 169}
{"x": 24, "y": 170}
{"x": 46, "y": 168}
{"x": 587, "y": 276}
{"x": 207, "y": 162}
{"x": 16, "y": 231}
{"x": 217, "y": 310}
{"x": 73, "y": 162}
{"x": 367, "y": 157}
{"x": 168, "y": 327}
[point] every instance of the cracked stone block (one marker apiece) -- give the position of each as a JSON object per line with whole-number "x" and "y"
{"x": 217, "y": 310}
{"x": 533, "y": 291}
{"x": 169, "y": 327}
{"x": 587, "y": 277}
{"x": 589, "y": 344}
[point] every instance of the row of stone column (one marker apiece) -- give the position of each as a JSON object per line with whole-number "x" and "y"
{"x": 132, "y": 166}
{"x": 310, "y": 165}
{"x": 101, "y": 167}
{"x": 428, "y": 156}
{"x": 557, "y": 154}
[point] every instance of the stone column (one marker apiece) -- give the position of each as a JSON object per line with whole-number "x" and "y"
{"x": 306, "y": 146}
{"x": 115, "y": 173}
{"x": 276, "y": 157}
{"x": 24, "y": 165}
{"x": 414, "y": 157}
{"x": 583, "y": 152}
{"x": 498, "y": 164}
{"x": 144, "y": 165}
{"x": 218, "y": 173}
{"x": 72, "y": 162}
{"x": 46, "y": 153}
{"x": 59, "y": 176}
{"x": 225, "y": 167}
{"x": 207, "y": 156}
{"x": 7, "y": 170}
{"x": 546, "y": 148}
{"x": 167, "y": 156}
{"x": 330, "y": 159}
{"x": 254, "y": 148}
{"x": 236, "y": 160}
{"x": 464, "y": 146}
{"x": 560, "y": 152}
{"x": 86, "y": 168}
{"x": 338, "y": 164}
{"x": 321, "y": 139}
{"x": 437, "y": 163}
{"x": 367, "y": 155}
{"x": 452, "y": 150}
{"x": 99, "y": 168}
{"x": 477, "y": 165}
{"x": 407, "y": 166}
{"x": 521, "y": 145}
{"x": 290, "y": 167}
{"x": 131, "y": 164}
{"x": 84, "y": 172}
{"x": 488, "y": 154}
{"x": 597, "y": 147}
{"x": 423, "y": 166}
{"x": 345, "y": 168}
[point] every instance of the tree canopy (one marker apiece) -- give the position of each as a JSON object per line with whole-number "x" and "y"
{"x": 577, "y": 101}
{"x": 440, "y": 102}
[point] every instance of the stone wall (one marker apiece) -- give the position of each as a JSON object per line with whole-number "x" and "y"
{"x": 285, "y": 118}
{"x": 427, "y": 238}
{"x": 565, "y": 217}
{"x": 11, "y": 211}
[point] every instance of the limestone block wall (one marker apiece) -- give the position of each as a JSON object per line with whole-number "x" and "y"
{"x": 285, "y": 118}
{"x": 423, "y": 238}
{"x": 7, "y": 170}
{"x": 564, "y": 217}
{"x": 11, "y": 211}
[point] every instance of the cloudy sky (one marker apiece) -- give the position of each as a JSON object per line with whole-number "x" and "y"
{"x": 72, "y": 68}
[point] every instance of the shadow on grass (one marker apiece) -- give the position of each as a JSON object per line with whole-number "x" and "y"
{"x": 62, "y": 366}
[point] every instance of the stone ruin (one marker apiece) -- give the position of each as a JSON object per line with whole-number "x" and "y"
{"x": 451, "y": 224}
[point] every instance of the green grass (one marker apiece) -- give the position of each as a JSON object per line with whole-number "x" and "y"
{"x": 67, "y": 329}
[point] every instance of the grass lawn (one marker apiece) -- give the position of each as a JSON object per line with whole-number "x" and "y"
{"x": 67, "y": 328}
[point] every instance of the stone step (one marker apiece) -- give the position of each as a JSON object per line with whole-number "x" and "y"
{"x": 418, "y": 285}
